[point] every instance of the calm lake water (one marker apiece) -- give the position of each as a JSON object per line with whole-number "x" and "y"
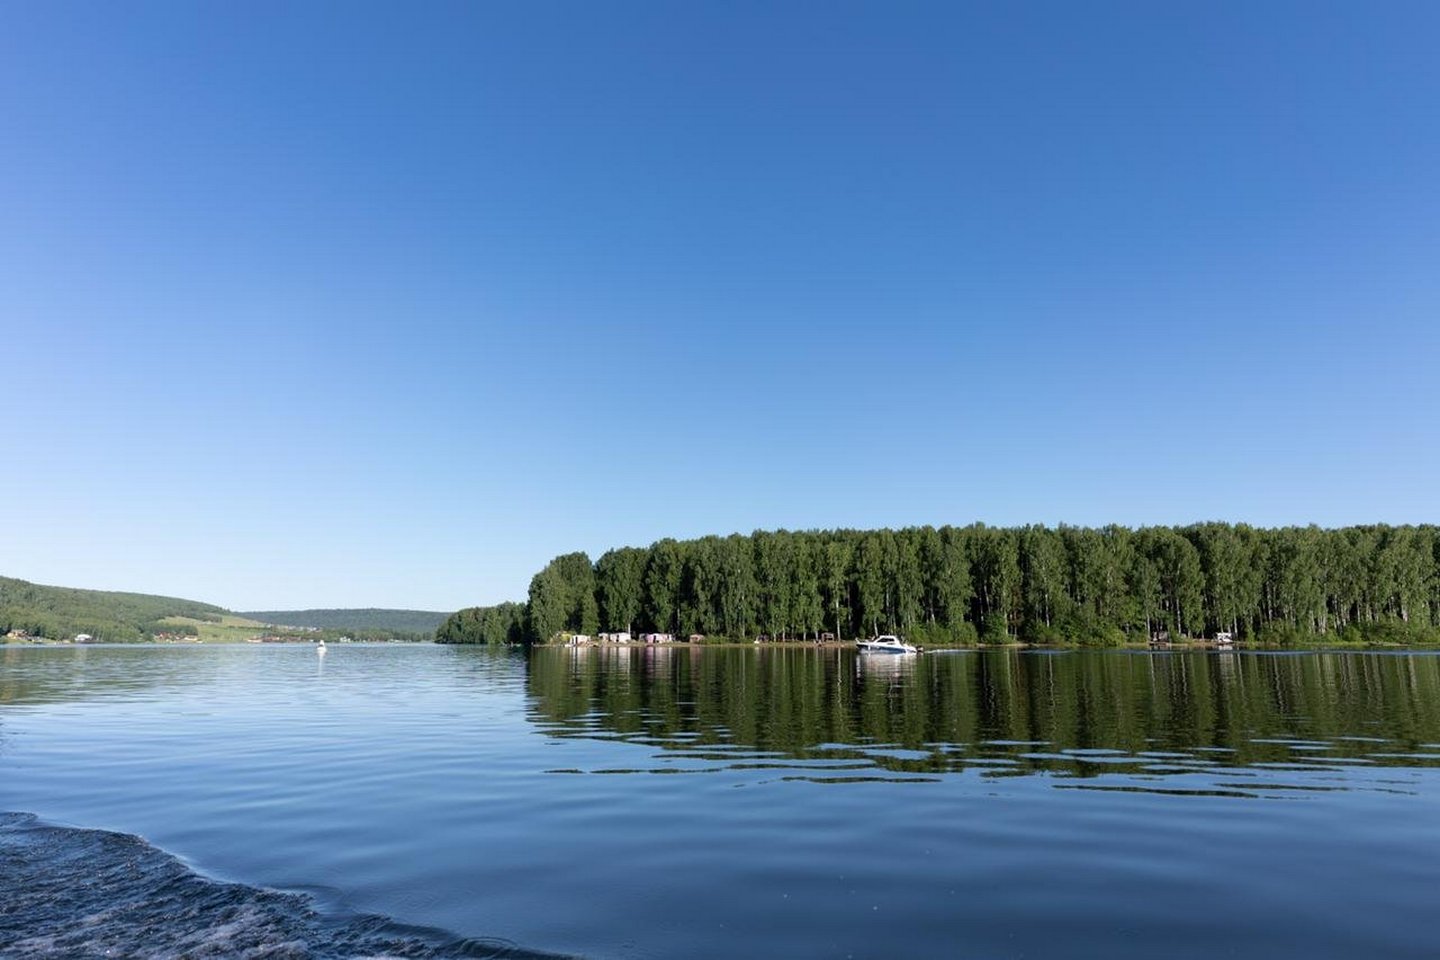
{"x": 425, "y": 800}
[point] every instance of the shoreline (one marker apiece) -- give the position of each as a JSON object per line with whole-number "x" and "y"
{"x": 1173, "y": 646}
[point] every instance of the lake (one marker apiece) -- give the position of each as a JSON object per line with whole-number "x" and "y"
{"x": 717, "y": 802}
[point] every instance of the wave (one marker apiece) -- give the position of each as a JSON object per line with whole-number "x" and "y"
{"x": 67, "y": 892}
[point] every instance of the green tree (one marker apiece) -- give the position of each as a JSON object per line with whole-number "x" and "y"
{"x": 662, "y": 585}
{"x": 953, "y": 588}
{"x": 1044, "y": 578}
{"x": 619, "y": 587}
{"x": 996, "y": 571}
{"x": 736, "y": 592}
{"x": 868, "y": 576}
{"x": 807, "y": 605}
{"x": 549, "y": 605}
{"x": 700, "y": 587}
{"x": 907, "y": 585}
{"x": 836, "y": 558}
{"x": 773, "y": 561}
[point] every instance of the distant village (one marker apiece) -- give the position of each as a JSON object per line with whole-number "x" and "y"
{"x": 586, "y": 640}
{"x": 22, "y": 636}
{"x": 291, "y": 638}
{"x": 306, "y": 635}
{"x": 293, "y": 635}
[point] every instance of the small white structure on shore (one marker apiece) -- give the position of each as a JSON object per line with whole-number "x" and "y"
{"x": 84, "y": 638}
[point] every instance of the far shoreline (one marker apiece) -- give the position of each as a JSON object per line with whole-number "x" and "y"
{"x": 1177, "y": 646}
{"x": 1171, "y": 647}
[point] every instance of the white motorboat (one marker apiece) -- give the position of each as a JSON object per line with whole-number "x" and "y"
{"x": 886, "y": 643}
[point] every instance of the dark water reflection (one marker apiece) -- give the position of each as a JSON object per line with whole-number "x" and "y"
{"x": 1214, "y": 722}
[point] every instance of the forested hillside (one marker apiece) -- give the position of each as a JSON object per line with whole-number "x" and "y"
{"x": 59, "y": 613}
{"x": 961, "y": 584}
{"x": 367, "y": 619}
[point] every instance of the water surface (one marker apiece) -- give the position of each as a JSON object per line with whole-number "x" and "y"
{"x": 787, "y": 802}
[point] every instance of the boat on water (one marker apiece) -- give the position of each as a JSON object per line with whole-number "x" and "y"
{"x": 886, "y": 643}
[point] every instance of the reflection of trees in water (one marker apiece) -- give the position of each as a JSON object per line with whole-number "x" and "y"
{"x": 1081, "y": 712}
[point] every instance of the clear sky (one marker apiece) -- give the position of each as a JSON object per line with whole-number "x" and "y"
{"x": 356, "y": 304}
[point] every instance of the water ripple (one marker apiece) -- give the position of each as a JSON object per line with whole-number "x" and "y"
{"x": 93, "y": 893}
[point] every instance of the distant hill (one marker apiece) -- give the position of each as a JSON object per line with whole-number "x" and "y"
{"x": 60, "y": 613}
{"x": 369, "y": 618}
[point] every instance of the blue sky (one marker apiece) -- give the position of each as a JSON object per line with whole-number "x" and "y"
{"x": 358, "y": 304}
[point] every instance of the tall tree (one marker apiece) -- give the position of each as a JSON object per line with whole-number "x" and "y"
{"x": 1043, "y": 574}
{"x": 773, "y": 561}
{"x": 700, "y": 587}
{"x": 737, "y": 589}
{"x": 662, "y": 585}
{"x": 868, "y": 575}
{"x": 807, "y": 611}
{"x": 549, "y": 605}
{"x": 619, "y": 586}
{"x": 997, "y": 580}
{"x": 907, "y": 582}
{"x": 953, "y": 587}
{"x": 836, "y": 558}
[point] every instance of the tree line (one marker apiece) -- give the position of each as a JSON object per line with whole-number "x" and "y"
{"x": 989, "y": 584}
{"x": 374, "y": 620}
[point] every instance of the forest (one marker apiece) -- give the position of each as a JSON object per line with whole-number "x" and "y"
{"x": 1037, "y": 584}
{"x": 62, "y": 612}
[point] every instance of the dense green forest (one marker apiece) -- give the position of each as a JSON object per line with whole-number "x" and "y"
{"x": 504, "y": 623}
{"x": 1362, "y": 584}
{"x": 60, "y": 613}
{"x": 369, "y": 619}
